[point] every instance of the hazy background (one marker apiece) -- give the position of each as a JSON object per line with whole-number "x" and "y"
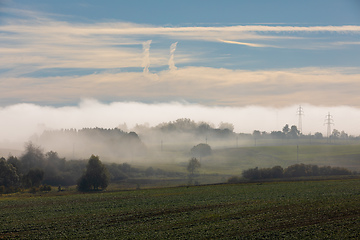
{"x": 19, "y": 122}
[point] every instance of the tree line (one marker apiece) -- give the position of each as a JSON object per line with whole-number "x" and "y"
{"x": 37, "y": 170}
{"x": 292, "y": 132}
{"x": 112, "y": 143}
{"x": 225, "y": 130}
{"x": 293, "y": 171}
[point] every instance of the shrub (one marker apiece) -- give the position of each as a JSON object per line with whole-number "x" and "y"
{"x": 234, "y": 179}
{"x": 45, "y": 188}
{"x": 33, "y": 189}
{"x": 252, "y": 173}
{"x": 201, "y": 150}
{"x": 296, "y": 170}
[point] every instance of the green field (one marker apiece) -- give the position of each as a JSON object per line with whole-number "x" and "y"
{"x": 232, "y": 161}
{"x": 328, "y": 209}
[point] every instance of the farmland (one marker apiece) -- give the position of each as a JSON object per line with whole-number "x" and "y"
{"x": 232, "y": 161}
{"x": 302, "y": 209}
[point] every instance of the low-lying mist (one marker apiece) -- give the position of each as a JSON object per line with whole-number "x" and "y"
{"x": 23, "y": 122}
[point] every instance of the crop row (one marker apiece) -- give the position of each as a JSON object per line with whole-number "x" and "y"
{"x": 271, "y": 210}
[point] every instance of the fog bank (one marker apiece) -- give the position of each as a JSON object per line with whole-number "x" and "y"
{"x": 19, "y": 122}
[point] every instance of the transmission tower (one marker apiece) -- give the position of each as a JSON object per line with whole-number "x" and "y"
{"x": 300, "y": 113}
{"x": 328, "y": 121}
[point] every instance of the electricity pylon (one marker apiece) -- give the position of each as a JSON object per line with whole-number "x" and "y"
{"x": 328, "y": 121}
{"x": 300, "y": 113}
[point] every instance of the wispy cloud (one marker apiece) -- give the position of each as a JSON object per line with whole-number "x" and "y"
{"x": 146, "y": 58}
{"x": 347, "y": 43}
{"x": 40, "y": 41}
{"x": 171, "y": 59}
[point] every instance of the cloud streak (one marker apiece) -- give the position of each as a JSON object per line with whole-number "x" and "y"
{"x": 171, "y": 59}
{"x": 40, "y": 41}
{"x": 146, "y": 58}
{"x": 110, "y": 59}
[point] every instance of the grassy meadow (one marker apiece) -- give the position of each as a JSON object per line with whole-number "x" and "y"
{"x": 227, "y": 162}
{"x": 232, "y": 161}
{"x": 326, "y": 209}
{"x": 238, "y": 159}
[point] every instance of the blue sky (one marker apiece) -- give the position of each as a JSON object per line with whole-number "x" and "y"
{"x": 187, "y": 12}
{"x": 263, "y": 40}
{"x": 230, "y": 54}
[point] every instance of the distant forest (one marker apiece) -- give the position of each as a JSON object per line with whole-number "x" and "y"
{"x": 98, "y": 141}
{"x": 200, "y": 130}
{"x": 116, "y": 143}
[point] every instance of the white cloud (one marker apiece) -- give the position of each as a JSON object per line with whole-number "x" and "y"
{"x": 209, "y": 86}
{"x": 40, "y": 41}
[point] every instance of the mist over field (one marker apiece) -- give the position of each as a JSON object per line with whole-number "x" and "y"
{"x": 217, "y": 119}
{"x": 151, "y": 124}
{"x": 127, "y": 83}
{"x": 19, "y": 122}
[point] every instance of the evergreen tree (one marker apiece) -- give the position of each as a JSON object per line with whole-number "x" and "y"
{"x": 95, "y": 177}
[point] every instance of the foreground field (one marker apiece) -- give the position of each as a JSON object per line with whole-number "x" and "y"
{"x": 312, "y": 209}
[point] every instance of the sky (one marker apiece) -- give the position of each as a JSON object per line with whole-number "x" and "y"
{"x": 74, "y": 64}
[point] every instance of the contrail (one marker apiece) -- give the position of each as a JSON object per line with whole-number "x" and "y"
{"x": 146, "y": 58}
{"x": 171, "y": 60}
{"x": 244, "y": 43}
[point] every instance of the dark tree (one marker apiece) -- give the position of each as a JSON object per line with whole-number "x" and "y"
{"x": 15, "y": 162}
{"x": 32, "y": 158}
{"x": 318, "y": 135}
{"x": 8, "y": 174}
{"x": 294, "y": 132}
{"x": 125, "y": 167}
{"x": 277, "y": 134}
{"x": 335, "y": 133}
{"x": 201, "y": 150}
{"x": 277, "y": 172}
{"x": 54, "y": 161}
{"x": 256, "y": 135}
{"x": 54, "y": 169}
{"x": 252, "y": 173}
{"x": 286, "y": 129}
{"x": 193, "y": 165}
{"x": 33, "y": 178}
{"x": 297, "y": 170}
{"x": 95, "y": 177}
{"x": 116, "y": 173}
